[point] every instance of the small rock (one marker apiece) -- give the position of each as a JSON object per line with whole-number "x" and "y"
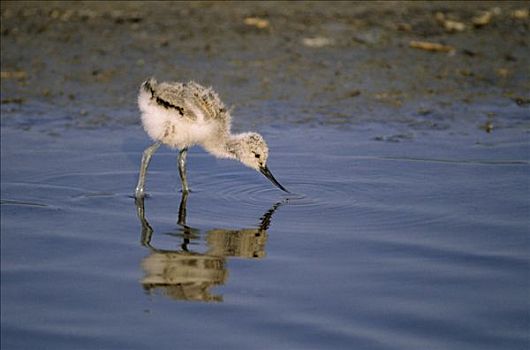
{"x": 521, "y": 101}
{"x": 520, "y": 14}
{"x": 318, "y": 41}
{"x": 353, "y": 93}
{"x": 16, "y": 100}
{"x": 404, "y": 27}
{"x": 503, "y": 72}
{"x": 454, "y": 26}
{"x": 449, "y": 24}
{"x": 257, "y": 22}
{"x": 469, "y": 53}
{"x": 483, "y": 19}
{"x": 429, "y": 46}
{"x": 20, "y": 75}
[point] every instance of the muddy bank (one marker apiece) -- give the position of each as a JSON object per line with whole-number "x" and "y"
{"x": 79, "y": 64}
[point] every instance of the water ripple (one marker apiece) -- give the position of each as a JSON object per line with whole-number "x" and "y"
{"x": 22, "y": 203}
{"x": 305, "y": 191}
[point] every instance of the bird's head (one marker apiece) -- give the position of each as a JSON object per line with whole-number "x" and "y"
{"x": 251, "y": 150}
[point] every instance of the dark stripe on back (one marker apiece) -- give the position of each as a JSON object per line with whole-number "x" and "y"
{"x": 149, "y": 88}
{"x": 166, "y": 104}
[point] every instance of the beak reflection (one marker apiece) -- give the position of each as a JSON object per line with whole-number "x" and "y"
{"x": 265, "y": 171}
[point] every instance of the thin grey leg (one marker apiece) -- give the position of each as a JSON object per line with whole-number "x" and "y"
{"x": 182, "y": 209}
{"x": 182, "y": 169}
{"x": 146, "y": 158}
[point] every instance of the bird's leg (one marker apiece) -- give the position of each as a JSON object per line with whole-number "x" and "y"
{"x": 146, "y": 158}
{"x": 182, "y": 169}
{"x": 182, "y": 209}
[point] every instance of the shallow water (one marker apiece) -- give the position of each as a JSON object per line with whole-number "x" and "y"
{"x": 416, "y": 244}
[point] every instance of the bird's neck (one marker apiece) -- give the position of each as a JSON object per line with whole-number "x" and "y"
{"x": 227, "y": 148}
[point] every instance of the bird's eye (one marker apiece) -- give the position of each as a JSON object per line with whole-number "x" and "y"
{"x": 256, "y": 155}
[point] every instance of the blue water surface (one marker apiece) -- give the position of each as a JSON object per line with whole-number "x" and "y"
{"x": 416, "y": 244}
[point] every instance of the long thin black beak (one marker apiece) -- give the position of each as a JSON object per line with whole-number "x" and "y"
{"x": 265, "y": 171}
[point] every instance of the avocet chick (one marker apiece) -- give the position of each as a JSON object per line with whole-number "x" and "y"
{"x": 181, "y": 115}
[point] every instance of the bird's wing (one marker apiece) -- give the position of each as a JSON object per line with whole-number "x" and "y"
{"x": 206, "y": 100}
{"x": 188, "y": 100}
{"x": 173, "y": 96}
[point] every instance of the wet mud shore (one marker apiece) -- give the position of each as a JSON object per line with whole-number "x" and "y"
{"x": 422, "y": 65}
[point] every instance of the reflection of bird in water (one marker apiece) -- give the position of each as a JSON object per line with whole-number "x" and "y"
{"x": 181, "y": 115}
{"x": 187, "y": 275}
